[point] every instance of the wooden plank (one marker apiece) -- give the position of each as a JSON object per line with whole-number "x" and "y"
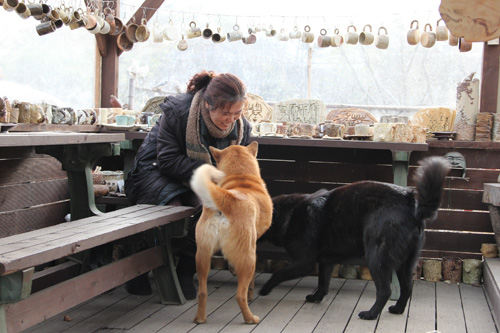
{"x": 477, "y": 313}
{"x": 489, "y": 81}
{"x": 16, "y": 171}
{"x": 491, "y": 281}
{"x": 53, "y": 275}
{"x": 24, "y": 127}
{"x": 311, "y": 313}
{"x": 340, "y": 313}
{"x": 33, "y": 194}
{"x": 19, "y": 153}
{"x": 33, "y": 218}
{"x": 422, "y": 312}
{"x": 452, "y": 241}
{"x": 184, "y": 322}
{"x": 454, "y": 220}
{"x": 288, "y": 306}
{"x": 20, "y": 139}
{"x": 78, "y": 238}
{"x": 54, "y": 300}
{"x": 459, "y": 254}
{"x": 261, "y": 306}
{"x": 491, "y": 194}
{"x": 365, "y": 303}
{"x": 169, "y": 313}
{"x": 80, "y": 312}
{"x": 449, "y": 313}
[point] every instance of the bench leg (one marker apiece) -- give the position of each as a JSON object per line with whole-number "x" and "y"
{"x": 166, "y": 280}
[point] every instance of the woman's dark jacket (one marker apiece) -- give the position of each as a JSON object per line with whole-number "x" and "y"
{"x": 162, "y": 158}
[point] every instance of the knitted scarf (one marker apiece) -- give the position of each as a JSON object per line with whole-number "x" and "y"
{"x": 195, "y": 148}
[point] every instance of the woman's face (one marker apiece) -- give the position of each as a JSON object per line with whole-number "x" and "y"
{"x": 223, "y": 118}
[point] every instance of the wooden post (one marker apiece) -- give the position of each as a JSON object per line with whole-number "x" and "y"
{"x": 109, "y": 71}
{"x": 489, "y": 84}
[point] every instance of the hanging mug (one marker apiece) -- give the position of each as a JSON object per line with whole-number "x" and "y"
{"x": 170, "y": 32}
{"x": 365, "y": 37}
{"x": 207, "y": 33}
{"x": 441, "y": 31}
{"x": 194, "y": 31}
{"x": 463, "y": 45}
{"x": 351, "y": 37}
{"x": 11, "y": 5}
{"x": 428, "y": 38}
{"x": 218, "y": 37}
{"x": 250, "y": 39}
{"x": 283, "y": 36}
{"x": 130, "y": 31}
{"x": 453, "y": 40}
{"x": 142, "y": 33}
{"x": 157, "y": 32}
{"x": 413, "y": 35}
{"x": 295, "y": 34}
{"x": 235, "y": 35}
{"x": 182, "y": 45}
{"x": 323, "y": 39}
{"x": 124, "y": 43}
{"x": 105, "y": 27}
{"x": 337, "y": 39}
{"x": 270, "y": 32}
{"x": 109, "y": 17}
{"x": 307, "y": 35}
{"x": 382, "y": 41}
{"x": 22, "y": 10}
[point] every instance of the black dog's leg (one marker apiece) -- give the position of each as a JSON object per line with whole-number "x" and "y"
{"x": 382, "y": 278}
{"x": 405, "y": 283}
{"x": 294, "y": 270}
{"x": 324, "y": 276}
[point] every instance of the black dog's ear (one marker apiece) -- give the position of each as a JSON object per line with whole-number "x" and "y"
{"x": 253, "y": 148}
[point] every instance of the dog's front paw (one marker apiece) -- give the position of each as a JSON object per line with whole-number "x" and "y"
{"x": 315, "y": 298}
{"x": 367, "y": 315}
{"x": 200, "y": 320}
{"x": 253, "y": 320}
{"x": 264, "y": 291}
{"x": 396, "y": 310}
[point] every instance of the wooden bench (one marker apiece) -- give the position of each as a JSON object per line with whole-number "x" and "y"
{"x": 19, "y": 254}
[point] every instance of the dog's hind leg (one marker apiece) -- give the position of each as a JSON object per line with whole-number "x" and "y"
{"x": 294, "y": 270}
{"x": 245, "y": 276}
{"x": 203, "y": 260}
{"x": 324, "y": 277}
{"x": 382, "y": 279}
{"x": 405, "y": 282}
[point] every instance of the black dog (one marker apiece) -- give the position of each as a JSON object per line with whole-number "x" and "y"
{"x": 383, "y": 222}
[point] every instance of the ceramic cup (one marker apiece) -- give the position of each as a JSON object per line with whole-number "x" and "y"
{"x": 22, "y": 10}
{"x": 130, "y": 31}
{"x": 170, "y": 32}
{"x": 266, "y": 128}
{"x": 413, "y": 35}
{"x": 270, "y": 32}
{"x": 295, "y": 34}
{"x": 157, "y": 32}
{"x": 123, "y": 42}
{"x": 124, "y": 120}
{"x": 193, "y": 31}
{"x": 441, "y": 31}
{"x": 142, "y": 33}
{"x": 382, "y": 41}
{"x": 235, "y": 35}
{"x": 207, "y": 33}
{"x": 337, "y": 39}
{"x": 302, "y": 129}
{"x": 218, "y": 37}
{"x": 453, "y": 40}
{"x": 323, "y": 39}
{"x": 351, "y": 37}
{"x": 366, "y": 37}
{"x": 428, "y": 38}
{"x": 45, "y": 28}
{"x": 463, "y": 45}
{"x": 307, "y": 35}
{"x": 250, "y": 39}
{"x": 182, "y": 45}
{"x": 10, "y": 5}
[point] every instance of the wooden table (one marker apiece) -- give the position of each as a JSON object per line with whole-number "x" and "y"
{"x": 76, "y": 152}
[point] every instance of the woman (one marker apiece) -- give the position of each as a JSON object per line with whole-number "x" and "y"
{"x": 208, "y": 114}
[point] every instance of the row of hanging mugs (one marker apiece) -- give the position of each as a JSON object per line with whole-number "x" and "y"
{"x": 428, "y": 38}
{"x": 170, "y": 33}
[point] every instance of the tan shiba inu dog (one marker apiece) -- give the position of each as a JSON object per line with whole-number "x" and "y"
{"x": 237, "y": 210}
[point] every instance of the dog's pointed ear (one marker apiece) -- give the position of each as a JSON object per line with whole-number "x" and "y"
{"x": 215, "y": 153}
{"x": 253, "y": 148}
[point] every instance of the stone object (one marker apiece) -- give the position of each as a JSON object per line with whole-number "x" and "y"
{"x": 467, "y": 108}
{"x": 489, "y": 250}
{"x": 308, "y": 111}
{"x": 435, "y": 120}
{"x": 351, "y": 117}
{"x": 452, "y": 269}
{"x": 472, "y": 272}
{"x": 496, "y": 128}
{"x": 398, "y": 132}
{"x": 256, "y": 109}
{"x": 432, "y": 270}
{"x": 475, "y": 20}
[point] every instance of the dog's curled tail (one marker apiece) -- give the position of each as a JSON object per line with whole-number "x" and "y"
{"x": 205, "y": 177}
{"x": 429, "y": 180}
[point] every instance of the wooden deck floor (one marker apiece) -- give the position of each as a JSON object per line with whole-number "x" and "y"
{"x": 433, "y": 306}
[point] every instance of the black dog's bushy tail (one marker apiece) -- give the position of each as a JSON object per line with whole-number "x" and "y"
{"x": 429, "y": 180}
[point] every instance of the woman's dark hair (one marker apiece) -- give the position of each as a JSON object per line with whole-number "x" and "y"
{"x": 219, "y": 90}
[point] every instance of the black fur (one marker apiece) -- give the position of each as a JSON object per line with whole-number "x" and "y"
{"x": 383, "y": 222}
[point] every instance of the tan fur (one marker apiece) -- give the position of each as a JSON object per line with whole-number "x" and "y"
{"x": 244, "y": 213}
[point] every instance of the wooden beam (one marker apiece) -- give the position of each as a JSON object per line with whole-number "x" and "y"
{"x": 147, "y": 10}
{"x": 490, "y": 76}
